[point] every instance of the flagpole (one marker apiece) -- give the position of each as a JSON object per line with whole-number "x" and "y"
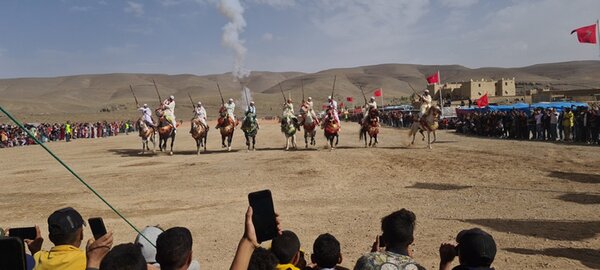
{"x": 598, "y": 35}
{"x": 441, "y": 98}
{"x": 382, "y": 105}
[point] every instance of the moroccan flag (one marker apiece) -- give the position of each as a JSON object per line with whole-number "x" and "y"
{"x": 435, "y": 78}
{"x": 349, "y": 99}
{"x": 586, "y": 34}
{"x": 377, "y": 92}
{"x": 483, "y": 101}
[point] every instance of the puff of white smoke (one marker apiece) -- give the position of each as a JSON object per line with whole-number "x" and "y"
{"x": 233, "y": 10}
{"x": 246, "y": 95}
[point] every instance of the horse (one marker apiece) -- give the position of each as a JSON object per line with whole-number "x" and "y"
{"x": 165, "y": 131}
{"x": 310, "y": 126}
{"x": 199, "y": 132}
{"x": 289, "y": 128}
{"x": 371, "y": 127}
{"x": 250, "y": 128}
{"x": 147, "y": 133}
{"x": 331, "y": 128}
{"x": 429, "y": 122}
{"x": 226, "y": 128}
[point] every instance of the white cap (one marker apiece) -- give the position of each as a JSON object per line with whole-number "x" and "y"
{"x": 373, "y": 98}
{"x": 329, "y": 97}
{"x": 148, "y": 249}
{"x": 251, "y": 102}
{"x": 309, "y": 98}
{"x": 426, "y": 91}
{"x": 231, "y": 99}
{"x": 171, "y": 97}
{"x": 145, "y": 105}
{"x": 199, "y": 103}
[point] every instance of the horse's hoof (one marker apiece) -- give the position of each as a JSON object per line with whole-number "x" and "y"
{"x": 170, "y": 153}
{"x": 228, "y": 149}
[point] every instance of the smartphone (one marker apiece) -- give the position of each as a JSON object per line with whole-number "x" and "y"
{"x": 97, "y": 227}
{"x": 12, "y": 253}
{"x": 23, "y": 233}
{"x": 263, "y": 215}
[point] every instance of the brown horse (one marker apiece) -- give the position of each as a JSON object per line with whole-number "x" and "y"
{"x": 165, "y": 131}
{"x": 332, "y": 128}
{"x": 371, "y": 127}
{"x": 429, "y": 122}
{"x": 200, "y": 133}
{"x": 147, "y": 133}
{"x": 227, "y": 127}
{"x": 310, "y": 126}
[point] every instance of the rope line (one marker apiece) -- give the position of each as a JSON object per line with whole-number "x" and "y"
{"x": 73, "y": 173}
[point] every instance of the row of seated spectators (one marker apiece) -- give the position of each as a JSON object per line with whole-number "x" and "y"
{"x": 171, "y": 249}
{"x": 12, "y": 135}
{"x": 580, "y": 124}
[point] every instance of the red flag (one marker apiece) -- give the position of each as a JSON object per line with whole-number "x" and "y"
{"x": 435, "y": 78}
{"x": 377, "y": 92}
{"x": 341, "y": 105}
{"x": 586, "y": 34}
{"x": 482, "y": 101}
{"x": 349, "y": 99}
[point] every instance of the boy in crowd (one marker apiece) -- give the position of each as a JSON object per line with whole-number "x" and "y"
{"x": 174, "y": 249}
{"x": 326, "y": 253}
{"x": 398, "y": 234}
{"x": 125, "y": 256}
{"x": 476, "y": 250}
{"x": 286, "y": 248}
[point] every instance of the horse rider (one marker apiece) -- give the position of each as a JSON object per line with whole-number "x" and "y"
{"x": 309, "y": 104}
{"x": 333, "y": 105}
{"x": 168, "y": 108}
{"x": 288, "y": 111}
{"x": 372, "y": 104}
{"x": 227, "y": 111}
{"x": 147, "y": 115}
{"x": 251, "y": 109}
{"x": 200, "y": 114}
{"x": 425, "y": 102}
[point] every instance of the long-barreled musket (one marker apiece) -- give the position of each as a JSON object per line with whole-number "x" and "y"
{"x": 219, "y": 88}
{"x": 333, "y": 89}
{"x": 363, "y": 93}
{"x": 157, "y": 92}
{"x": 282, "y": 94}
{"x": 302, "y": 83}
{"x": 134, "y": 97}
{"x": 246, "y": 94}
{"x": 191, "y": 100}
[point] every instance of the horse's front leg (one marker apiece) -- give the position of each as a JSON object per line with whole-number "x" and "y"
{"x": 429, "y": 140}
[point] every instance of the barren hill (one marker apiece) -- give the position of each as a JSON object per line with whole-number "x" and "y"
{"x": 84, "y": 96}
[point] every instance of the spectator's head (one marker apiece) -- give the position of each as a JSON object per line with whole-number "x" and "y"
{"x": 326, "y": 251}
{"x": 262, "y": 259}
{"x": 174, "y": 249}
{"x": 148, "y": 248}
{"x": 476, "y": 248}
{"x": 398, "y": 229}
{"x": 65, "y": 227}
{"x": 286, "y": 247}
{"x": 124, "y": 257}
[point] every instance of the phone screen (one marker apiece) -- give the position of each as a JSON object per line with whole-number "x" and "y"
{"x": 12, "y": 253}
{"x": 263, "y": 215}
{"x": 23, "y": 233}
{"x": 97, "y": 226}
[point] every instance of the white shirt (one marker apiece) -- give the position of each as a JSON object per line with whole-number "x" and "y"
{"x": 169, "y": 106}
{"x": 230, "y": 107}
{"x": 200, "y": 112}
{"x": 251, "y": 109}
{"x": 333, "y": 104}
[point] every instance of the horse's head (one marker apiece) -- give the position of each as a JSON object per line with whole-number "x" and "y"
{"x": 373, "y": 112}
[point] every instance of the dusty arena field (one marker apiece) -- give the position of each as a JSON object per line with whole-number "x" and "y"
{"x": 539, "y": 200}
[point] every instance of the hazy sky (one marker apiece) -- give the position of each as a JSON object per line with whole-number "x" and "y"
{"x": 52, "y": 38}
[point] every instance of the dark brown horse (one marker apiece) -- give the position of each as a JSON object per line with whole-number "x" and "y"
{"x": 371, "y": 127}
{"x": 332, "y": 128}
{"x": 165, "y": 131}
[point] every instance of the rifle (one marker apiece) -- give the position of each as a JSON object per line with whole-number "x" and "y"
{"x": 284, "y": 100}
{"x": 219, "y": 88}
{"x": 158, "y": 93}
{"x": 363, "y": 93}
{"x": 134, "y": 97}
{"x": 191, "y": 100}
{"x": 302, "y": 82}
{"x": 246, "y": 94}
{"x": 332, "y": 90}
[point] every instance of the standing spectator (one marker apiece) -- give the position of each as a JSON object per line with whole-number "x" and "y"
{"x": 567, "y": 123}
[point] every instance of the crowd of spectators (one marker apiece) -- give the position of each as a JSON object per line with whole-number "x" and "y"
{"x": 12, "y": 135}
{"x": 579, "y": 124}
{"x": 171, "y": 249}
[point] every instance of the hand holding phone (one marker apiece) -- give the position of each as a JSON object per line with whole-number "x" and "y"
{"x": 97, "y": 227}
{"x": 263, "y": 215}
{"x": 23, "y": 233}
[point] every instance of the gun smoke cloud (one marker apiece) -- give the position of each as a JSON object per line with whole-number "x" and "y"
{"x": 234, "y": 12}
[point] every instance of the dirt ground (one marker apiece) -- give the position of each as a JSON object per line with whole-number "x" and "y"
{"x": 540, "y": 201}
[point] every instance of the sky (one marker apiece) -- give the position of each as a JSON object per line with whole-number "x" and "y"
{"x": 69, "y": 37}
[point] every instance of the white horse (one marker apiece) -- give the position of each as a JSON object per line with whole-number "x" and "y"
{"x": 429, "y": 123}
{"x": 146, "y": 133}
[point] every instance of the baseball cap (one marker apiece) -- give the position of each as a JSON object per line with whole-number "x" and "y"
{"x": 148, "y": 248}
{"x": 476, "y": 247}
{"x": 64, "y": 221}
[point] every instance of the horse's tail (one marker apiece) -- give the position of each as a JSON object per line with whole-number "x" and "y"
{"x": 360, "y": 136}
